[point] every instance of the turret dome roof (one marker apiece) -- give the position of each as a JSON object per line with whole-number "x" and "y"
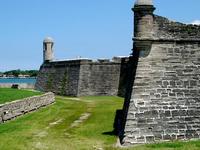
{"x": 48, "y": 40}
{"x": 144, "y": 2}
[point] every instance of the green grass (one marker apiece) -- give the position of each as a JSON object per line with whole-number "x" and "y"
{"x": 50, "y": 128}
{"x": 8, "y": 94}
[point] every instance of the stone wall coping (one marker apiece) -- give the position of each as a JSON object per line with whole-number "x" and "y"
{"x": 82, "y": 62}
{"x": 166, "y": 40}
{"x": 24, "y": 99}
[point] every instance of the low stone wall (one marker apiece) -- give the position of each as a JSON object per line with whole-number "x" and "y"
{"x": 21, "y": 85}
{"x": 19, "y": 107}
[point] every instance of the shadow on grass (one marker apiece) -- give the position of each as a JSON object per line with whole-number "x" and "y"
{"x": 110, "y": 133}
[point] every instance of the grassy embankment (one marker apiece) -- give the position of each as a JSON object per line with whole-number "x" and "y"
{"x": 53, "y": 127}
{"x": 8, "y": 95}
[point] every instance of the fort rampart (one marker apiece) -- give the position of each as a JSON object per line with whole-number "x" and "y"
{"x": 83, "y": 77}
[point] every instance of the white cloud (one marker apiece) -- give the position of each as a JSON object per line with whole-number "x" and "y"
{"x": 196, "y": 22}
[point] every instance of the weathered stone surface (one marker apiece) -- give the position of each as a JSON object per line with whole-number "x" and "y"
{"x": 19, "y": 107}
{"x": 99, "y": 79}
{"x": 171, "y": 30}
{"x": 59, "y": 77}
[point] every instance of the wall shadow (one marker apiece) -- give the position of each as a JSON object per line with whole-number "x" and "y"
{"x": 121, "y": 115}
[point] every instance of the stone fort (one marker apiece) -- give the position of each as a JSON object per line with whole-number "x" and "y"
{"x": 81, "y": 77}
{"x": 160, "y": 80}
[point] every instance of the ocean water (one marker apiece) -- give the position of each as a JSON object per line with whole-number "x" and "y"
{"x": 18, "y": 80}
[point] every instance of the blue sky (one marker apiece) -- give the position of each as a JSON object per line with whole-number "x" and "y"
{"x": 86, "y": 28}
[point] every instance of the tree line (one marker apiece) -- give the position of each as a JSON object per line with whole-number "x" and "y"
{"x": 16, "y": 73}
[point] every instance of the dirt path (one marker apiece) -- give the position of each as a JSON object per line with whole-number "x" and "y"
{"x": 82, "y": 118}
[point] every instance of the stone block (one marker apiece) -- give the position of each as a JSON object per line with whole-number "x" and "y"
{"x": 181, "y": 136}
{"x": 150, "y": 139}
{"x": 166, "y": 137}
{"x": 140, "y": 139}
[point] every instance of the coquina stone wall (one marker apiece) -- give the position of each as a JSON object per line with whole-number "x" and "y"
{"x": 16, "y": 108}
{"x": 165, "y": 99}
{"x": 168, "y": 30}
{"x": 99, "y": 78}
{"x": 61, "y": 77}
{"x": 162, "y": 99}
{"x": 81, "y": 77}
